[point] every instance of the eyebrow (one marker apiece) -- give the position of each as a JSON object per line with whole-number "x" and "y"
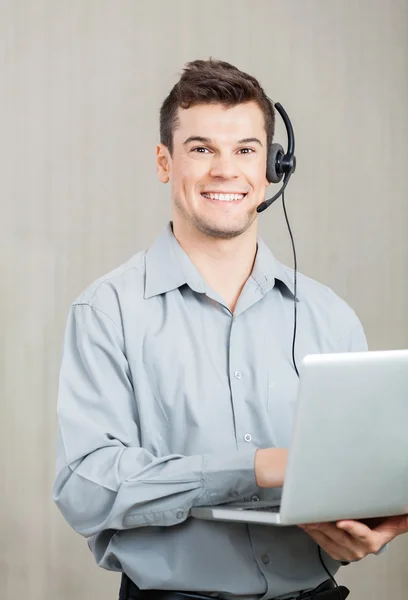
{"x": 205, "y": 140}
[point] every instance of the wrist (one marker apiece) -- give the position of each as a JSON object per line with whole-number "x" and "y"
{"x": 270, "y": 467}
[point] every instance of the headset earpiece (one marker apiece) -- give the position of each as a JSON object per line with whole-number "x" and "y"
{"x": 280, "y": 164}
{"x": 274, "y": 173}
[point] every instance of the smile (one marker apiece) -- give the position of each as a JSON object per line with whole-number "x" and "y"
{"x": 223, "y": 197}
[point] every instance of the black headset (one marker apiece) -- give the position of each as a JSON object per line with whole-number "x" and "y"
{"x": 280, "y": 164}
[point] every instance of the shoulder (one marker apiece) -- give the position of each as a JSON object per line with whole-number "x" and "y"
{"x": 112, "y": 292}
{"x": 329, "y": 314}
{"x": 316, "y": 294}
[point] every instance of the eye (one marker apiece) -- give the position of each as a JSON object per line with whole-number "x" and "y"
{"x": 203, "y": 150}
{"x": 199, "y": 148}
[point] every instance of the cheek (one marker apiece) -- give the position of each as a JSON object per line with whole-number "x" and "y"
{"x": 255, "y": 174}
{"x": 187, "y": 173}
{"x": 261, "y": 176}
{"x": 178, "y": 180}
{"x": 191, "y": 177}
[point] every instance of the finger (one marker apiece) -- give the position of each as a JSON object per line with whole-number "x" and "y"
{"x": 354, "y": 528}
{"x": 358, "y": 531}
{"x": 328, "y": 545}
{"x": 313, "y": 526}
{"x": 372, "y": 539}
{"x": 350, "y": 548}
{"x": 340, "y": 537}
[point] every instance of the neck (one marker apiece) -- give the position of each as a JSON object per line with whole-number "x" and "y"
{"x": 224, "y": 264}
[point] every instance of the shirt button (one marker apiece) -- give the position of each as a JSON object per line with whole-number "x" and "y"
{"x": 247, "y": 437}
{"x": 238, "y": 374}
{"x": 255, "y": 498}
{"x": 265, "y": 559}
{"x": 179, "y": 514}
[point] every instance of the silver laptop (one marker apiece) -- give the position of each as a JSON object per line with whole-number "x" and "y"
{"x": 348, "y": 457}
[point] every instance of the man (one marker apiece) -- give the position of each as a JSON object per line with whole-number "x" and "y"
{"x": 177, "y": 387}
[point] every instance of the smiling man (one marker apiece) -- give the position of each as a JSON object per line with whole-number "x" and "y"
{"x": 217, "y": 183}
{"x": 219, "y": 180}
{"x": 177, "y": 388}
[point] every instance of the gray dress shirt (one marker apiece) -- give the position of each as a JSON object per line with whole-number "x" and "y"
{"x": 164, "y": 397}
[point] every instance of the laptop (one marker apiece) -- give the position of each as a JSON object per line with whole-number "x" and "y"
{"x": 348, "y": 456}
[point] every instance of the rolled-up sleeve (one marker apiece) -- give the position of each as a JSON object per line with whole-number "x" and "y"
{"x": 104, "y": 478}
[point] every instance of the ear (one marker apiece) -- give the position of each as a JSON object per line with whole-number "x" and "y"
{"x": 163, "y": 163}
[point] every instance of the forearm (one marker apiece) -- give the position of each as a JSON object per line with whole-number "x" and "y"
{"x": 120, "y": 488}
{"x": 270, "y": 467}
{"x": 105, "y": 478}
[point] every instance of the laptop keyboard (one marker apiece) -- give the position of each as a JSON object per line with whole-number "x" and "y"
{"x": 262, "y": 508}
{"x": 273, "y": 509}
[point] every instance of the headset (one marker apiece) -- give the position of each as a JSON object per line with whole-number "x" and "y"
{"x": 281, "y": 165}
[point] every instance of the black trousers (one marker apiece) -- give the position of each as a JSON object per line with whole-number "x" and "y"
{"x": 129, "y": 591}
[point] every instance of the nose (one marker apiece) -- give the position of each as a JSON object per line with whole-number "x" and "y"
{"x": 224, "y": 167}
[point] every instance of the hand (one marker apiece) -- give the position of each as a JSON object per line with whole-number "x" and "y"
{"x": 353, "y": 540}
{"x": 270, "y": 467}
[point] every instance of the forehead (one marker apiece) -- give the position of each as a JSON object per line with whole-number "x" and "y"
{"x": 220, "y": 122}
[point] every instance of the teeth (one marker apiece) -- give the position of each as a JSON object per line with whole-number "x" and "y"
{"x": 224, "y": 197}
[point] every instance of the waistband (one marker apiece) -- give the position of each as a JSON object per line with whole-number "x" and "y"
{"x": 325, "y": 591}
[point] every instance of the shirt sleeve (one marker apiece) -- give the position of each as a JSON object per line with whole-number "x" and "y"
{"x": 353, "y": 338}
{"x": 104, "y": 477}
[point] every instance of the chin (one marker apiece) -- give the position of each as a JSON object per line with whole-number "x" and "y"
{"x": 220, "y": 231}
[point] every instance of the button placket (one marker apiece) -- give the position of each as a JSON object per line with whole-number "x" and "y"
{"x": 239, "y": 383}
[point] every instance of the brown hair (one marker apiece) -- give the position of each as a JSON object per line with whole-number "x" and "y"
{"x": 213, "y": 82}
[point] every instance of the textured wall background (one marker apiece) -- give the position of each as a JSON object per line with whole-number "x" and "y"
{"x": 81, "y": 86}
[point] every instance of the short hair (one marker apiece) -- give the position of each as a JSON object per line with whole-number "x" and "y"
{"x": 213, "y": 82}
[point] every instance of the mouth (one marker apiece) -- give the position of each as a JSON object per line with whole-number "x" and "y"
{"x": 230, "y": 198}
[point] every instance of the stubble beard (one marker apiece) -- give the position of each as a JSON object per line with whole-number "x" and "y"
{"x": 208, "y": 229}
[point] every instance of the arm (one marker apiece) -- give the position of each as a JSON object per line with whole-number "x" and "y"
{"x": 270, "y": 467}
{"x": 105, "y": 479}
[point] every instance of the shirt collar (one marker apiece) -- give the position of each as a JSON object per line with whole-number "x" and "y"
{"x": 168, "y": 267}
{"x": 267, "y": 270}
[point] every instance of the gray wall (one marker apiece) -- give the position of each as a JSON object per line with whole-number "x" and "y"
{"x": 81, "y": 86}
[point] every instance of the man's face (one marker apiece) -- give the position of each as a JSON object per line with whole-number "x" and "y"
{"x": 231, "y": 161}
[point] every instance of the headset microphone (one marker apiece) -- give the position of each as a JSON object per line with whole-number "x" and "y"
{"x": 280, "y": 164}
